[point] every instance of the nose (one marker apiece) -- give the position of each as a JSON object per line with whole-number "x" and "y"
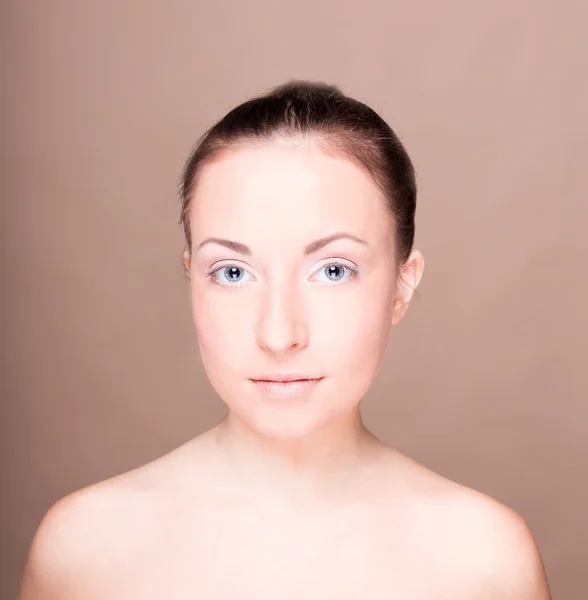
{"x": 281, "y": 326}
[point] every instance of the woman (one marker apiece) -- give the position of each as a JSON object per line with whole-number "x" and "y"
{"x": 298, "y": 210}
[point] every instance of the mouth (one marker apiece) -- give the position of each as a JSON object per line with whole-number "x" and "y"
{"x": 286, "y": 386}
{"x": 286, "y": 377}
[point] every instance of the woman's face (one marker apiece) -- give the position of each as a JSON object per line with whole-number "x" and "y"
{"x": 269, "y": 302}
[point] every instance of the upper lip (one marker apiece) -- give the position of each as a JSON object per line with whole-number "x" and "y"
{"x": 285, "y": 377}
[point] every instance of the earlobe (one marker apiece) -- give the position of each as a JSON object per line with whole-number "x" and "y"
{"x": 187, "y": 262}
{"x": 398, "y": 310}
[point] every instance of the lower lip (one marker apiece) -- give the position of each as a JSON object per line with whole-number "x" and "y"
{"x": 286, "y": 389}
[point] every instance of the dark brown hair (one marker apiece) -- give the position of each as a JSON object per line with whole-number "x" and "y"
{"x": 339, "y": 124}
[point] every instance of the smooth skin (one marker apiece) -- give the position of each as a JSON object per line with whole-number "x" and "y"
{"x": 287, "y": 498}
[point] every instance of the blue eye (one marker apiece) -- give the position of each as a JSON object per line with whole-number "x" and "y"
{"x": 335, "y": 272}
{"x": 234, "y": 276}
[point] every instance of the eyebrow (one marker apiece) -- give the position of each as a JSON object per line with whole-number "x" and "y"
{"x": 310, "y": 248}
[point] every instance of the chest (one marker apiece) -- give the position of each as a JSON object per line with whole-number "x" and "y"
{"x": 257, "y": 556}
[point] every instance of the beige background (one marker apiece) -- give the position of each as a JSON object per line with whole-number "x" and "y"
{"x": 484, "y": 380}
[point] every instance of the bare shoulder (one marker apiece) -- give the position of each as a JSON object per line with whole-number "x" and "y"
{"x": 486, "y": 544}
{"x": 495, "y": 545}
{"x": 89, "y": 534}
{"x": 77, "y": 542}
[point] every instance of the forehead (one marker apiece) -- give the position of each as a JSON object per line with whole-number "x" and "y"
{"x": 286, "y": 187}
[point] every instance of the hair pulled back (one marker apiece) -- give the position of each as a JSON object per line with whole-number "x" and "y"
{"x": 338, "y": 123}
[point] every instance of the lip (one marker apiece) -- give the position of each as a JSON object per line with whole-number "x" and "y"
{"x": 285, "y": 377}
{"x": 289, "y": 388}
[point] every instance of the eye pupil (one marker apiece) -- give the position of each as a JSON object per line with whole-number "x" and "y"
{"x": 334, "y": 269}
{"x": 233, "y": 272}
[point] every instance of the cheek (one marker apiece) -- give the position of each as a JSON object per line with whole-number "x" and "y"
{"x": 222, "y": 329}
{"x": 353, "y": 330}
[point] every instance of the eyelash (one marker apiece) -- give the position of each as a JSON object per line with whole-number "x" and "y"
{"x": 354, "y": 273}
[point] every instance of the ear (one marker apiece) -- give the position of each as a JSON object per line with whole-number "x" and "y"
{"x": 187, "y": 261}
{"x": 410, "y": 276}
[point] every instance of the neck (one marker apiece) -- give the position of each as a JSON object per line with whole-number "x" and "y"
{"x": 309, "y": 468}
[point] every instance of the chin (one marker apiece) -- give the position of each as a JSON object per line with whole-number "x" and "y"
{"x": 287, "y": 423}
